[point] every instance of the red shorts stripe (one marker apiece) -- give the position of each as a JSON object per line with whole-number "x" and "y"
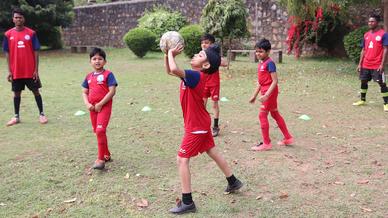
{"x": 193, "y": 144}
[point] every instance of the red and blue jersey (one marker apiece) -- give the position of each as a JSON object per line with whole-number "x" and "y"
{"x": 373, "y": 45}
{"x": 98, "y": 85}
{"x": 195, "y": 116}
{"x": 265, "y": 68}
{"x": 213, "y": 80}
{"x": 21, "y": 47}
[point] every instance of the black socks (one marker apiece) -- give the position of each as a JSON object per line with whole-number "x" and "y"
{"x": 16, "y": 104}
{"x": 187, "y": 198}
{"x": 231, "y": 179}
{"x": 39, "y": 103}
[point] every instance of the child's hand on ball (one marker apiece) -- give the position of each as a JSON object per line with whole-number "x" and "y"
{"x": 177, "y": 50}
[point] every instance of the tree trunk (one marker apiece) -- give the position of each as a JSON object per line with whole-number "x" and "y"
{"x": 385, "y": 6}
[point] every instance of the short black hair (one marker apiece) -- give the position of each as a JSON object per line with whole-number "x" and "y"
{"x": 263, "y": 44}
{"x": 97, "y": 51}
{"x": 208, "y": 36}
{"x": 17, "y": 11}
{"x": 376, "y": 17}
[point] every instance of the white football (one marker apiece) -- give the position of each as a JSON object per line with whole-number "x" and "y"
{"x": 170, "y": 40}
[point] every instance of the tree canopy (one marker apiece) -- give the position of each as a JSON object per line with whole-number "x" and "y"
{"x": 225, "y": 19}
{"x": 44, "y": 16}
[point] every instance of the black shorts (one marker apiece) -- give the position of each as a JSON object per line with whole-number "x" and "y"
{"x": 369, "y": 74}
{"x": 19, "y": 84}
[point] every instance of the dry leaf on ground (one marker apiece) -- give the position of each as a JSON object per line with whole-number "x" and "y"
{"x": 365, "y": 209}
{"x": 143, "y": 203}
{"x": 364, "y": 181}
{"x": 283, "y": 195}
{"x": 70, "y": 200}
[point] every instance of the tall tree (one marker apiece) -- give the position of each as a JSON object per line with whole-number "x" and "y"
{"x": 225, "y": 19}
{"x": 45, "y": 16}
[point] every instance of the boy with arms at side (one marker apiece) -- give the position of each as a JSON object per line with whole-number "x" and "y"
{"x": 21, "y": 47}
{"x": 212, "y": 84}
{"x": 372, "y": 59}
{"x": 197, "y": 138}
{"x": 267, "y": 86}
{"x": 99, "y": 87}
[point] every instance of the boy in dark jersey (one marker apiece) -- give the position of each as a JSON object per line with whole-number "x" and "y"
{"x": 99, "y": 87}
{"x": 21, "y": 46}
{"x": 267, "y": 86}
{"x": 371, "y": 66}
{"x": 198, "y": 137}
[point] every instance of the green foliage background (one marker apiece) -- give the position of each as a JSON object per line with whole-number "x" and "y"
{"x": 192, "y": 34}
{"x": 160, "y": 20}
{"x": 225, "y": 19}
{"x": 46, "y": 17}
{"x": 139, "y": 41}
{"x": 352, "y": 43}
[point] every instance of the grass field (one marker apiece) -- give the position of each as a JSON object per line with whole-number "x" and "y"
{"x": 337, "y": 167}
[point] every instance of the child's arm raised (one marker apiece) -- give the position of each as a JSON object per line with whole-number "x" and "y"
{"x": 274, "y": 77}
{"x": 85, "y": 93}
{"x": 174, "y": 69}
{"x": 107, "y": 97}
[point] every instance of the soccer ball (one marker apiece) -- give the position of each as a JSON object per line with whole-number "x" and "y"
{"x": 170, "y": 40}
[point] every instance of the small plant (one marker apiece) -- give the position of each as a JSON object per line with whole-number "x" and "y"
{"x": 139, "y": 41}
{"x": 352, "y": 43}
{"x": 192, "y": 34}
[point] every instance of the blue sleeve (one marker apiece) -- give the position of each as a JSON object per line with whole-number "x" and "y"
{"x": 362, "y": 43}
{"x": 35, "y": 43}
{"x": 5, "y": 44}
{"x": 385, "y": 39}
{"x": 191, "y": 78}
{"x": 111, "y": 80}
{"x": 85, "y": 84}
{"x": 271, "y": 67}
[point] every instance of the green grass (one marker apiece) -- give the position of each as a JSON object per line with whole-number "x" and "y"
{"x": 41, "y": 166}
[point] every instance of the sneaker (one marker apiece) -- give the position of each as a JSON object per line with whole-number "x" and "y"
{"x": 232, "y": 188}
{"x": 13, "y": 121}
{"x": 286, "y": 142}
{"x": 359, "y": 103}
{"x": 182, "y": 208}
{"x": 99, "y": 165}
{"x": 216, "y": 131}
{"x": 386, "y": 107}
{"x": 261, "y": 147}
{"x": 43, "y": 119}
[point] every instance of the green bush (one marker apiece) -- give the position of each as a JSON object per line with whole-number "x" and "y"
{"x": 192, "y": 36}
{"x": 139, "y": 41}
{"x": 50, "y": 37}
{"x": 159, "y": 20}
{"x": 352, "y": 43}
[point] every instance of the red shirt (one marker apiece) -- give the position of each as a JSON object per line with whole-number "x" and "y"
{"x": 264, "y": 71}
{"x": 98, "y": 85}
{"x": 195, "y": 115}
{"x": 213, "y": 79}
{"x": 21, "y": 46}
{"x": 373, "y": 45}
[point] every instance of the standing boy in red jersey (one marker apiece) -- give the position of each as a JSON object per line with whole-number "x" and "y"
{"x": 267, "y": 86}
{"x": 371, "y": 66}
{"x": 212, "y": 84}
{"x": 21, "y": 47}
{"x": 99, "y": 87}
{"x": 197, "y": 138}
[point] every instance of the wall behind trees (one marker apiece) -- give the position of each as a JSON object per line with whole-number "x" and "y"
{"x": 105, "y": 24}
